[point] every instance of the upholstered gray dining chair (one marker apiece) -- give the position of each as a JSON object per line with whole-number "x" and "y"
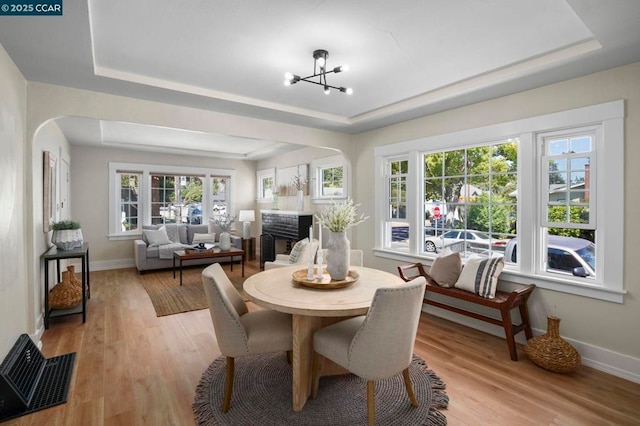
{"x": 238, "y": 331}
{"x": 378, "y": 345}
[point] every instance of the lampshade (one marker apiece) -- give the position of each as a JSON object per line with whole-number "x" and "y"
{"x": 247, "y": 216}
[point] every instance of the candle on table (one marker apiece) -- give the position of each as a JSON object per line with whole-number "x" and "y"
{"x": 310, "y": 267}
{"x": 320, "y": 275}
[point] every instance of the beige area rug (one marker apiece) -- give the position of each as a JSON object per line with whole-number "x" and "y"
{"x": 169, "y": 298}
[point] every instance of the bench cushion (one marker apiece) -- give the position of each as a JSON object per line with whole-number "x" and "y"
{"x": 480, "y": 276}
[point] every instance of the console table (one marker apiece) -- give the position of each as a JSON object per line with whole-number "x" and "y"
{"x": 288, "y": 225}
{"x": 56, "y": 254}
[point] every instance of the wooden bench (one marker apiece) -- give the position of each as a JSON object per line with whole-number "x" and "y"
{"x": 504, "y": 302}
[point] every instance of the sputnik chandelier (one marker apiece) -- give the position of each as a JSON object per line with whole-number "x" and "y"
{"x": 320, "y": 72}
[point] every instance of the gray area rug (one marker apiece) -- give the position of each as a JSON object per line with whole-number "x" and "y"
{"x": 262, "y": 396}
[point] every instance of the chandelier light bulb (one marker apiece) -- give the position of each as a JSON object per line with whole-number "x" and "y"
{"x": 287, "y": 82}
{"x": 288, "y": 76}
{"x": 349, "y": 91}
{"x": 326, "y": 90}
{"x": 321, "y": 62}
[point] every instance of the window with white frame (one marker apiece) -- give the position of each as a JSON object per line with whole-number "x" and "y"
{"x": 396, "y": 224}
{"x": 176, "y": 199}
{"x": 266, "y": 184}
{"x": 329, "y": 179}
{"x": 469, "y": 198}
{"x": 129, "y": 200}
{"x": 219, "y": 195}
{"x": 148, "y": 194}
{"x": 528, "y": 190}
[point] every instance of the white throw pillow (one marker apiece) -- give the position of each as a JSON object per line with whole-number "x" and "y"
{"x": 204, "y": 238}
{"x": 480, "y": 276}
{"x": 298, "y": 250}
{"x": 157, "y": 238}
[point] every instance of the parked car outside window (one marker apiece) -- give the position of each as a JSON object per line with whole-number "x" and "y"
{"x": 457, "y": 239}
{"x": 565, "y": 255}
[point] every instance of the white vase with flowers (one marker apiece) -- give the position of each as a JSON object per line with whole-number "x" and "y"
{"x": 337, "y": 218}
{"x": 224, "y": 221}
{"x": 298, "y": 182}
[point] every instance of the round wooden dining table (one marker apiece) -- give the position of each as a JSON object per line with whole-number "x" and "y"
{"x": 312, "y": 309}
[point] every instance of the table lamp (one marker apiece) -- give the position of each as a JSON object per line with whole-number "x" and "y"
{"x": 246, "y": 217}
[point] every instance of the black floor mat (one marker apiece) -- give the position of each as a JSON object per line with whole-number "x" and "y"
{"x": 29, "y": 382}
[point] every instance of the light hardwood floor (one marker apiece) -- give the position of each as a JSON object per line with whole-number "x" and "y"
{"x": 133, "y": 368}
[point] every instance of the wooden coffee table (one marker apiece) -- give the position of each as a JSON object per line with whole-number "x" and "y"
{"x": 182, "y": 256}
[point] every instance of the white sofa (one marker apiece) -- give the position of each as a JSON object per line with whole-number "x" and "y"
{"x": 300, "y": 255}
{"x": 148, "y": 258}
{"x": 282, "y": 260}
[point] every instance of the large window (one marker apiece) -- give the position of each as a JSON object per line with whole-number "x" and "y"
{"x": 534, "y": 191}
{"x": 176, "y": 199}
{"x": 143, "y": 194}
{"x": 473, "y": 190}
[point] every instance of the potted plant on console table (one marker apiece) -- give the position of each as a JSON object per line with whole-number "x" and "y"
{"x": 67, "y": 234}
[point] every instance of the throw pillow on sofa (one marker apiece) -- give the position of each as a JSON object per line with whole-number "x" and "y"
{"x": 298, "y": 250}
{"x": 156, "y": 237}
{"x": 204, "y": 238}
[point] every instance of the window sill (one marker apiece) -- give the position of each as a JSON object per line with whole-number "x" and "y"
{"x": 327, "y": 200}
{"x": 513, "y": 276}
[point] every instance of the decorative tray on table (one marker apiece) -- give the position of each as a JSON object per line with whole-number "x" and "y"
{"x": 202, "y": 248}
{"x": 326, "y": 283}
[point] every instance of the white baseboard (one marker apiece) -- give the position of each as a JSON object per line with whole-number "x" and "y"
{"x": 106, "y": 265}
{"x": 614, "y": 363}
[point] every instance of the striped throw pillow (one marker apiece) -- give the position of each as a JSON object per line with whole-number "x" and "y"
{"x": 480, "y": 276}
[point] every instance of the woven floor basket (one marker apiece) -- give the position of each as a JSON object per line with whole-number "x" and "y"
{"x": 551, "y": 352}
{"x": 74, "y": 280}
{"x": 66, "y": 294}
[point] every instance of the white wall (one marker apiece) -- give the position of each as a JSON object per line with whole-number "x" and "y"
{"x": 13, "y": 231}
{"x": 594, "y": 323}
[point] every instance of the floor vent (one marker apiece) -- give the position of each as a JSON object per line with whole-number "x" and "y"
{"x": 30, "y": 382}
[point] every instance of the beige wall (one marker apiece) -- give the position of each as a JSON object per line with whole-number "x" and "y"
{"x": 13, "y": 231}
{"x": 47, "y": 138}
{"x": 90, "y": 189}
{"x": 602, "y": 324}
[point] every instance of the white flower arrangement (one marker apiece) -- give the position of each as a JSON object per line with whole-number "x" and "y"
{"x": 339, "y": 217}
{"x": 224, "y": 221}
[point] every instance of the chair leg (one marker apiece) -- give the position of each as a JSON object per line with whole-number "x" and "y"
{"x": 371, "y": 404}
{"x": 315, "y": 375}
{"x": 407, "y": 384}
{"x": 228, "y": 385}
